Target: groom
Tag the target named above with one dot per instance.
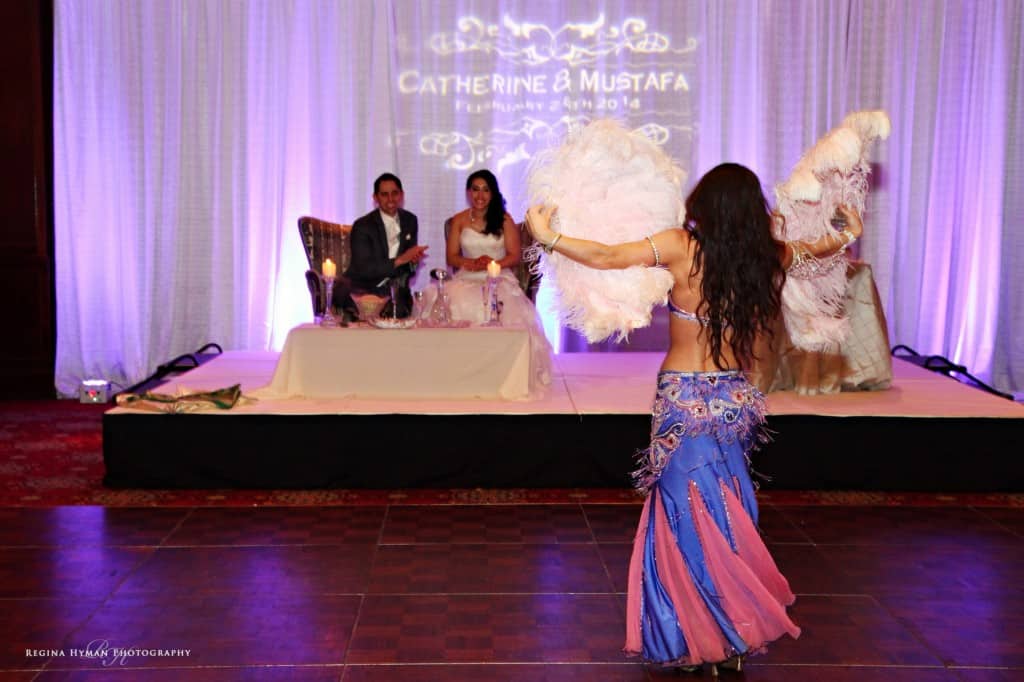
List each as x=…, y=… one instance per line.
x=384, y=246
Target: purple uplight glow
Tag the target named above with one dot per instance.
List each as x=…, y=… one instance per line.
x=188, y=140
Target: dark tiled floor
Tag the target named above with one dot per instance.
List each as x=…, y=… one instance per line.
x=67, y=572
x=303, y=569
x=510, y=593
x=235, y=526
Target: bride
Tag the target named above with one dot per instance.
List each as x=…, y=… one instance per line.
x=482, y=233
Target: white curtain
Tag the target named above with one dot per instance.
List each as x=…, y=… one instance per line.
x=189, y=137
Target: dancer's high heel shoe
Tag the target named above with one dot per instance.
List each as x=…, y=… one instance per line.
x=735, y=663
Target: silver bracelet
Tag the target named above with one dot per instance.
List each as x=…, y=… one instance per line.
x=657, y=256
x=548, y=248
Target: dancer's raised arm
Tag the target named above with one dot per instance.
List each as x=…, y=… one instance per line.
x=663, y=248
x=828, y=244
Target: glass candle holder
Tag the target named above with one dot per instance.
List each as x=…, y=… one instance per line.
x=492, y=308
x=328, y=319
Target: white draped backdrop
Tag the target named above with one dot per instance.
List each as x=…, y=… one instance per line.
x=190, y=135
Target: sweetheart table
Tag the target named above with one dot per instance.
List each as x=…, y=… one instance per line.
x=403, y=364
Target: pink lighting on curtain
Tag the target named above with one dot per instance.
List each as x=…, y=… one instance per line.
x=189, y=137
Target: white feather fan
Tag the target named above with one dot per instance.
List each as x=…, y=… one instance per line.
x=611, y=185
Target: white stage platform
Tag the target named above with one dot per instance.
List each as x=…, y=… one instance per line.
x=927, y=433
x=604, y=383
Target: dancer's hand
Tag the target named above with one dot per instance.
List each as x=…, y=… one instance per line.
x=538, y=220
x=853, y=221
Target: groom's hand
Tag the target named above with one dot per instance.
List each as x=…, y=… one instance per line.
x=414, y=254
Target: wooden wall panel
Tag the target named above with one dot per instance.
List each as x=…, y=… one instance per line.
x=26, y=223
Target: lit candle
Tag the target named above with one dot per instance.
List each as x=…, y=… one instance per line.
x=329, y=269
x=493, y=269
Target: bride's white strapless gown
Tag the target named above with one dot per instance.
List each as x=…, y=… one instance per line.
x=466, y=293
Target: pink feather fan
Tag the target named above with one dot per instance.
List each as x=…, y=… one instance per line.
x=611, y=185
x=834, y=171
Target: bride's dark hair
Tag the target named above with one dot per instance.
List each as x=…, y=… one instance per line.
x=495, y=209
x=737, y=258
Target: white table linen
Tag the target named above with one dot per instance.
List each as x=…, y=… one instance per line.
x=437, y=363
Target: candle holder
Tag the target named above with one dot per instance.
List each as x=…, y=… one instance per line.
x=328, y=319
x=393, y=296
x=492, y=308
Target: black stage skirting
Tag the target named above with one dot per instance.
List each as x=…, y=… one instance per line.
x=391, y=451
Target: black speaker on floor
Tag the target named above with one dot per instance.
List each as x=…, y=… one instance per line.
x=943, y=365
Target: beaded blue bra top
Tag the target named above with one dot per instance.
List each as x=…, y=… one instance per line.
x=686, y=314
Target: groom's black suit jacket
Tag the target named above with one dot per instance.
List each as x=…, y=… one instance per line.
x=370, y=263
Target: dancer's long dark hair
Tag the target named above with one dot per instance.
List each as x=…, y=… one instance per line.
x=739, y=262
x=495, y=209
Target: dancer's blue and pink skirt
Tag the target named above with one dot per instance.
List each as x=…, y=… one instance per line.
x=702, y=585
